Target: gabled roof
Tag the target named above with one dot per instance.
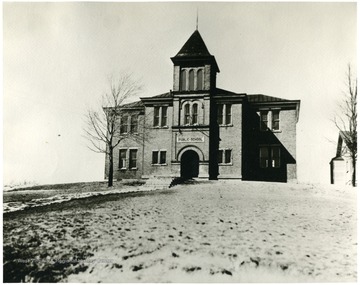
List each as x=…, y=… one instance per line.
x=343, y=138
x=344, y=134
x=340, y=149
x=195, y=46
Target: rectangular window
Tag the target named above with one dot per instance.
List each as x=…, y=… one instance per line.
x=265, y=161
x=156, y=116
x=220, y=156
x=123, y=125
x=159, y=157
x=132, y=158
x=155, y=156
x=122, y=159
x=224, y=156
x=163, y=116
x=162, y=157
x=275, y=153
x=264, y=157
x=220, y=114
x=228, y=114
x=228, y=156
x=134, y=124
x=276, y=120
x=224, y=114
x=263, y=120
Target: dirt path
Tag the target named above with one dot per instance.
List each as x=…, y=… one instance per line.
x=211, y=232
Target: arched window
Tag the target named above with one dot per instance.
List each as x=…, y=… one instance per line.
x=200, y=79
x=187, y=114
x=194, y=114
x=183, y=80
x=191, y=80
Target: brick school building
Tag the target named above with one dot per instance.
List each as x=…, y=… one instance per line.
x=199, y=130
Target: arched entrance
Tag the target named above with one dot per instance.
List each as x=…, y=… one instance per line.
x=189, y=164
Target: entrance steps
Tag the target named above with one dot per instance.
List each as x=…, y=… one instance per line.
x=156, y=183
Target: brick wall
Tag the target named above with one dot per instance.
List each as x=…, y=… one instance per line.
x=128, y=141
x=231, y=138
x=157, y=138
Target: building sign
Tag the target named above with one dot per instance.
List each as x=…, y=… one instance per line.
x=190, y=139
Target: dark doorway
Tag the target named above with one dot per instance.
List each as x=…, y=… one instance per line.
x=189, y=164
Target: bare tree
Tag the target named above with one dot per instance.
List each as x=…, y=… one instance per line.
x=346, y=120
x=102, y=128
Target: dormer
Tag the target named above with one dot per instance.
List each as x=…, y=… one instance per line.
x=194, y=67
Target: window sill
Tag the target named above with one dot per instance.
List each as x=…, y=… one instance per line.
x=158, y=127
x=190, y=125
x=122, y=169
x=129, y=133
x=226, y=164
x=133, y=168
x=269, y=167
x=273, y=131
x=229, y=125
x=159, y=164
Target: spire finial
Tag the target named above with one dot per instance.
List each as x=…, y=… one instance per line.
x=197, y=18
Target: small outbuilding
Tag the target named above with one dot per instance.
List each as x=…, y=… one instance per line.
x=341, y=166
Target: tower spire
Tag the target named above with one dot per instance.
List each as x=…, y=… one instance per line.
x=197, y=18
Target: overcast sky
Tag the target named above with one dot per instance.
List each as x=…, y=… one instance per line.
x=58, y=57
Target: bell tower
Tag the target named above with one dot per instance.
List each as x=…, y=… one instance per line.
x=194, y=87
x=195, y=68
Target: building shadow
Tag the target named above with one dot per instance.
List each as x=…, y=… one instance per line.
x=266, y=168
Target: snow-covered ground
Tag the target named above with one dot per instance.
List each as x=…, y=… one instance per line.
x=214, y=231
x=17, y=200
